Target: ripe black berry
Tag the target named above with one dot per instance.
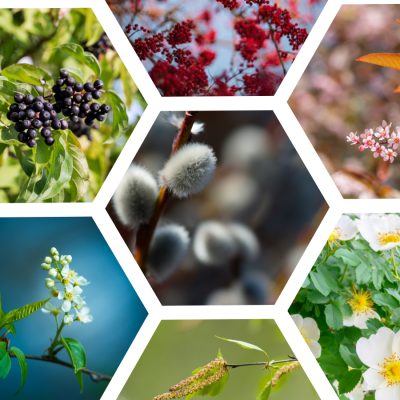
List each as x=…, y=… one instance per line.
x=66, y=112
x=53, y=114
x=70, y=81
x=87, y=97
x=22, y=137
x=39, y=98
x=95, y=107
x=30, y=114
x=64, y=124
x=38, y=106
x=74, y=118
x=48, y=106
x=91, y=115
x=82, y=115
x=78, y=87
x=13, y=107
x=46, y=123
x=105, y=108
x=8, y=115
x=19, y=127
x=88, y=86
x=31, y=133
x=59, y=103
x=37, y=123
x=45, y=132
x=68, y=102
x=26, y=123
x=60, y=81
x=49, y=140
x=100, y=117
x=84, y=107
x=89, y=122
x=98, y=84
x=21, y=107
x=21, y=115
x=77, y=98
x=75, y=109
x=44, y=115
x=69, y=91
x=28, y=99
x=19, y=97
x=56, y=124
x=31, y=143
x=56, y=108
x=56, y=88
x=64, y=73
x=96, y=94
x=14, y=117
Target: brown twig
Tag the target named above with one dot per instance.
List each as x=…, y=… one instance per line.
x=146, y=231
x=95, y=376
x=277, y=48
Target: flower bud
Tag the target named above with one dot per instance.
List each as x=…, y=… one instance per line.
x=45, y=266
x=69, y=259
x=52, y=273
x=135, y=196
x=213, y=243
x=49, y=283
x=56, y=258
x=189, y=170
x=64, y=263
x=167, y=250
x=247, y=242
x=53, y=251
x=59, y=277
x=68, y=319
x=54, y=292
x=47, y=260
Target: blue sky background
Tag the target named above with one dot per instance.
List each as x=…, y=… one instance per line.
x=117, y=311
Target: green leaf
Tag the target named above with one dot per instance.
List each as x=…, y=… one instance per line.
x=363, y=273
x=377, y=278
x=27, y=165
x=84, y=57
x=5, y=362
x=264, y=395
x=329, y=279
x=76, y=73
x=42, y=155
x=9, y=135
x=23, y=312
x=306, y=282
x=316, y=297
x=374, y=324
x=77, y=356
x=32, y=188
x=334, y=317
x=385, y=299
x=348, y=257
x=11, y=88
x=28, y=73
x=346, y=310
x=395, y=318
x=244, y=345
x=332, y=364
x=349, y=357
x=23, y=365
x=320, y=283
x=394, y=292
x=349, y=381
x=79, y=378
x=120, y=117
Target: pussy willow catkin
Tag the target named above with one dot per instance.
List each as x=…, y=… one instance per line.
x=284, y=370
x=190, y=385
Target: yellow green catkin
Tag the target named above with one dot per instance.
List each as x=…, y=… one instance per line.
x=284, y=370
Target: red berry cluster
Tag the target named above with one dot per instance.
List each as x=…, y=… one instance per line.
x=252, y=38
x=180, y=33
x=231, y=4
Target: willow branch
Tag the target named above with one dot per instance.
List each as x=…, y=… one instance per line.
x=95, y=376
x=262, y=363
x=146, y=231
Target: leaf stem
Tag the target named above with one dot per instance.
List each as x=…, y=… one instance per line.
x=96, y=376
x=55, y=341
x=262, y=363
x=344, y=273
x=146, y=231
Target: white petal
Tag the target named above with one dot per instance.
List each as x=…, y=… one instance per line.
x=69, y=287
x=78, y=300
x=298, y=320
x=315, y=348
x=76, y=290
x=388, y=393
x=85, y=310
x=347, y=228
x=45, y=311
x=374, y=350
x=66, y=306
x=396, y=343
x=310, y=329
x=86, y=318
x=349, y=321
x=360, y=320
x=65, y=270
x=61, y=295
x=373, y=378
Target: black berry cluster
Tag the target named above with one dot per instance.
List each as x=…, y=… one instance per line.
x=31, y=114
x=80, y=129
x=74, y=99
x=101, y=46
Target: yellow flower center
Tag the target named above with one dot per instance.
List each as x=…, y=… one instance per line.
x=65, y=281
x=391, y=371
x=69, y=296
x=55, y=312
x=335, y=236
x=390, y=237
x=361, y=302
x=304, y=336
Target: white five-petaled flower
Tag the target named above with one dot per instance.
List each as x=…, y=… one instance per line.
x=345, y=229
x=382, y=233
x=70, y=276
x=51, y=309
x=70, y=295
x=380, y=352
x=83, y=316
x=310, y=332
x=382, y=132
x=68, y=319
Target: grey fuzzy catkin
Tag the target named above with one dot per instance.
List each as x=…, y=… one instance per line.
x=167, y=250
x=135, y=196
x=247, y=241
x=189, y=170
x=213, y=243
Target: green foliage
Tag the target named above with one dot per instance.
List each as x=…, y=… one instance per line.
x=23, y=365
x=5, y=362
x=245, y=345
x=264, y=395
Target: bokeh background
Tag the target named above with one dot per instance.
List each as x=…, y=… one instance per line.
x=179, y=347
x=338, y=95
x=117, y=311
x=261, y=182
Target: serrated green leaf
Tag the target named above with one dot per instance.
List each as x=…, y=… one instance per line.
x=244, y=345
x=264, y=395
x=5, y=362
x=349, y=381
x=12, y=88
x=314, y=296
x=374, y=324
x=394, y=292
x=346, y=310
x=334, y=317
x=349, y=357
x=377, y=278
x=332, y=364
x=329, y=279
x=319, y=282
x=395, y=318
x=23, y=365
x=385, y=299
x=348, y=257
x=23, y=312
x=119, y=115
x=306, y=282
x=84, y=57
x=363, y=273
x=28, y=73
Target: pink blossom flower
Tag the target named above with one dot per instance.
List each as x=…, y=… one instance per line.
x=395, y=139
x=390, y=154
x=379, y=150
x=382, y=132
x=369, y=142
x=361, y=148
x=368, y=133
x=353, y=138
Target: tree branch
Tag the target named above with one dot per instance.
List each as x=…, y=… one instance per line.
x=262, y=363
x=277, y=48
x=95, y=376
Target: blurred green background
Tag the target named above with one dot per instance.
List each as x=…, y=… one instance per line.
x=179, y=347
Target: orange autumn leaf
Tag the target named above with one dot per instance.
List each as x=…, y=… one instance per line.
x=397, y=90
x=390, y=60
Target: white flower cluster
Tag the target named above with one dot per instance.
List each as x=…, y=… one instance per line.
x=71, y=291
